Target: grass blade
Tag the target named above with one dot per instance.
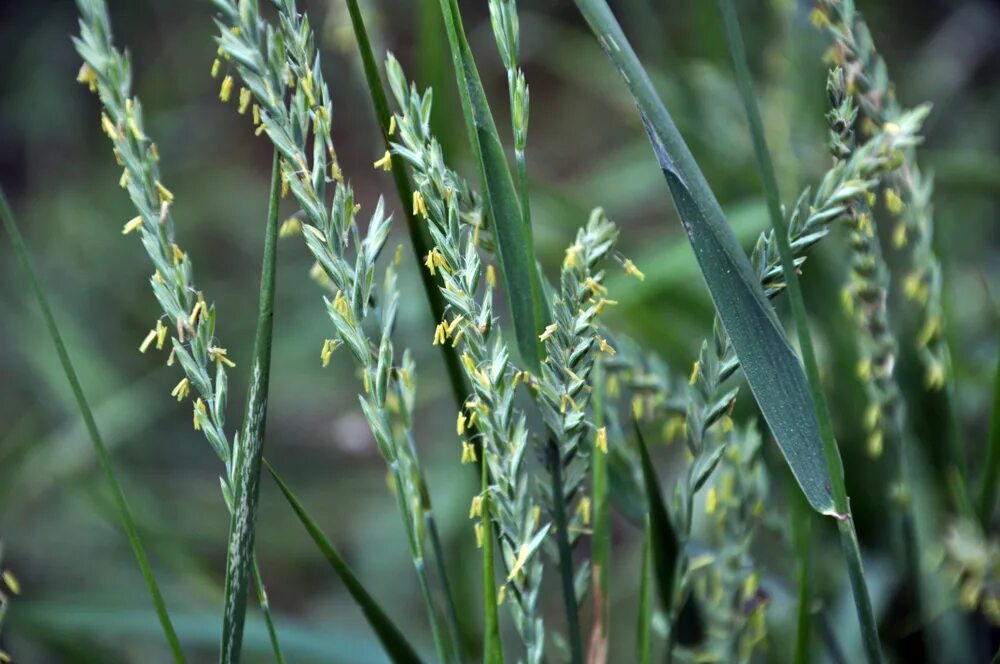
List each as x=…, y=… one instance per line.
x=419, y=237
x=831, y=453
x=769, y=363
x=492, y=644
x=395, y=644
x=522, y=283
x=249, y=447
x=991, y=475
x=118, y=495
x=801, y=536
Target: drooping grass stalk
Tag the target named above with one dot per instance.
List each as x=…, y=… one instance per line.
x=418, y=232
x=834, y=464
x=118, y=495
x=522, y=282
x=446, y=203
x=908, y=198
x=248, y=449
x=391, y=638
x=345, y=259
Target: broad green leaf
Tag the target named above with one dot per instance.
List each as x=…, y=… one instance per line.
x=770, y=365
x=395, y=644
x=240, y=558
x=522, y=282
x=117, y=494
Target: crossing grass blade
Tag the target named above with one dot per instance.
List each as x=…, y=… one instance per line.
x=250, y=445
x=391, y=638
x=770, y=365
x=118, y=495
x=522, y=282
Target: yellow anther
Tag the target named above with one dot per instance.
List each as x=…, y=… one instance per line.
x=818, y=18
x=865, y=224
x=935, y=376
x=326, y=353
x=572, y=252
x=133, y=224
x=216, y=65
x=632, y=270
x=605, y=346
x=875, y=444
x=601, y=440
x=501, y=594
x=255, y=113
x=220, y=355
x=873, y=414
x=476, y=508
x=11, y=581
x=109, y=127
x=599, y=308
x=595, y=287
x=930, y=330
x=244, y=101
x=161, y=334
x=199, y=412
x=478, y=528
x=166, y=196
x=181, y=390
x=468, y=452
x=864, y=369
x=392, y=125
x=226, y=90
x=460, y=423
x=893, y=202
x=695, y=372
x=548, y=332
x=290, y=227
x=891, y=128
x=148, y=341
x=491, y=276
x=899, y=235
x=583, y=509
x=419, y=206
x=87, y=76
x=440, y=334
x=385, y=163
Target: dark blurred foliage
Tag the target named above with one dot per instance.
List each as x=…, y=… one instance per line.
x=83, y=599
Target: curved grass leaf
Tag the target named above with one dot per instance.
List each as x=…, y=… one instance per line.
x=689, y=628
x=522, y=282
x=249, y=446
x=770, y=365
x=118, y=495
x=395, y=644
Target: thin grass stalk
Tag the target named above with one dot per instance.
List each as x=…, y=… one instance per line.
x=390, y=636
x=831, y=452
x=117, y=494
x=801, y=543
x=600, y=542
x=492, y=643
x=248, y=448
x=419, y=237
x=265, y=609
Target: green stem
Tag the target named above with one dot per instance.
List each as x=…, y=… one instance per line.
x=600, y=543
x=644, y=637
x=565, y=554
x=849, y=540
x=118, y=495
x=801, y=536
x=247, y=455
x=265, y=609
x=492, y=645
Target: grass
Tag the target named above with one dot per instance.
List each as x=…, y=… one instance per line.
x=596, y=475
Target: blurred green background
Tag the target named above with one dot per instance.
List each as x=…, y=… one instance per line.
x=83, y=598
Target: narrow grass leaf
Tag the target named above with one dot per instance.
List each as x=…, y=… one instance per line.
x=391, y=638
x=118, y=495
x=644, y=624
x=770, y=365
x=522, y=282
x=249, y=445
